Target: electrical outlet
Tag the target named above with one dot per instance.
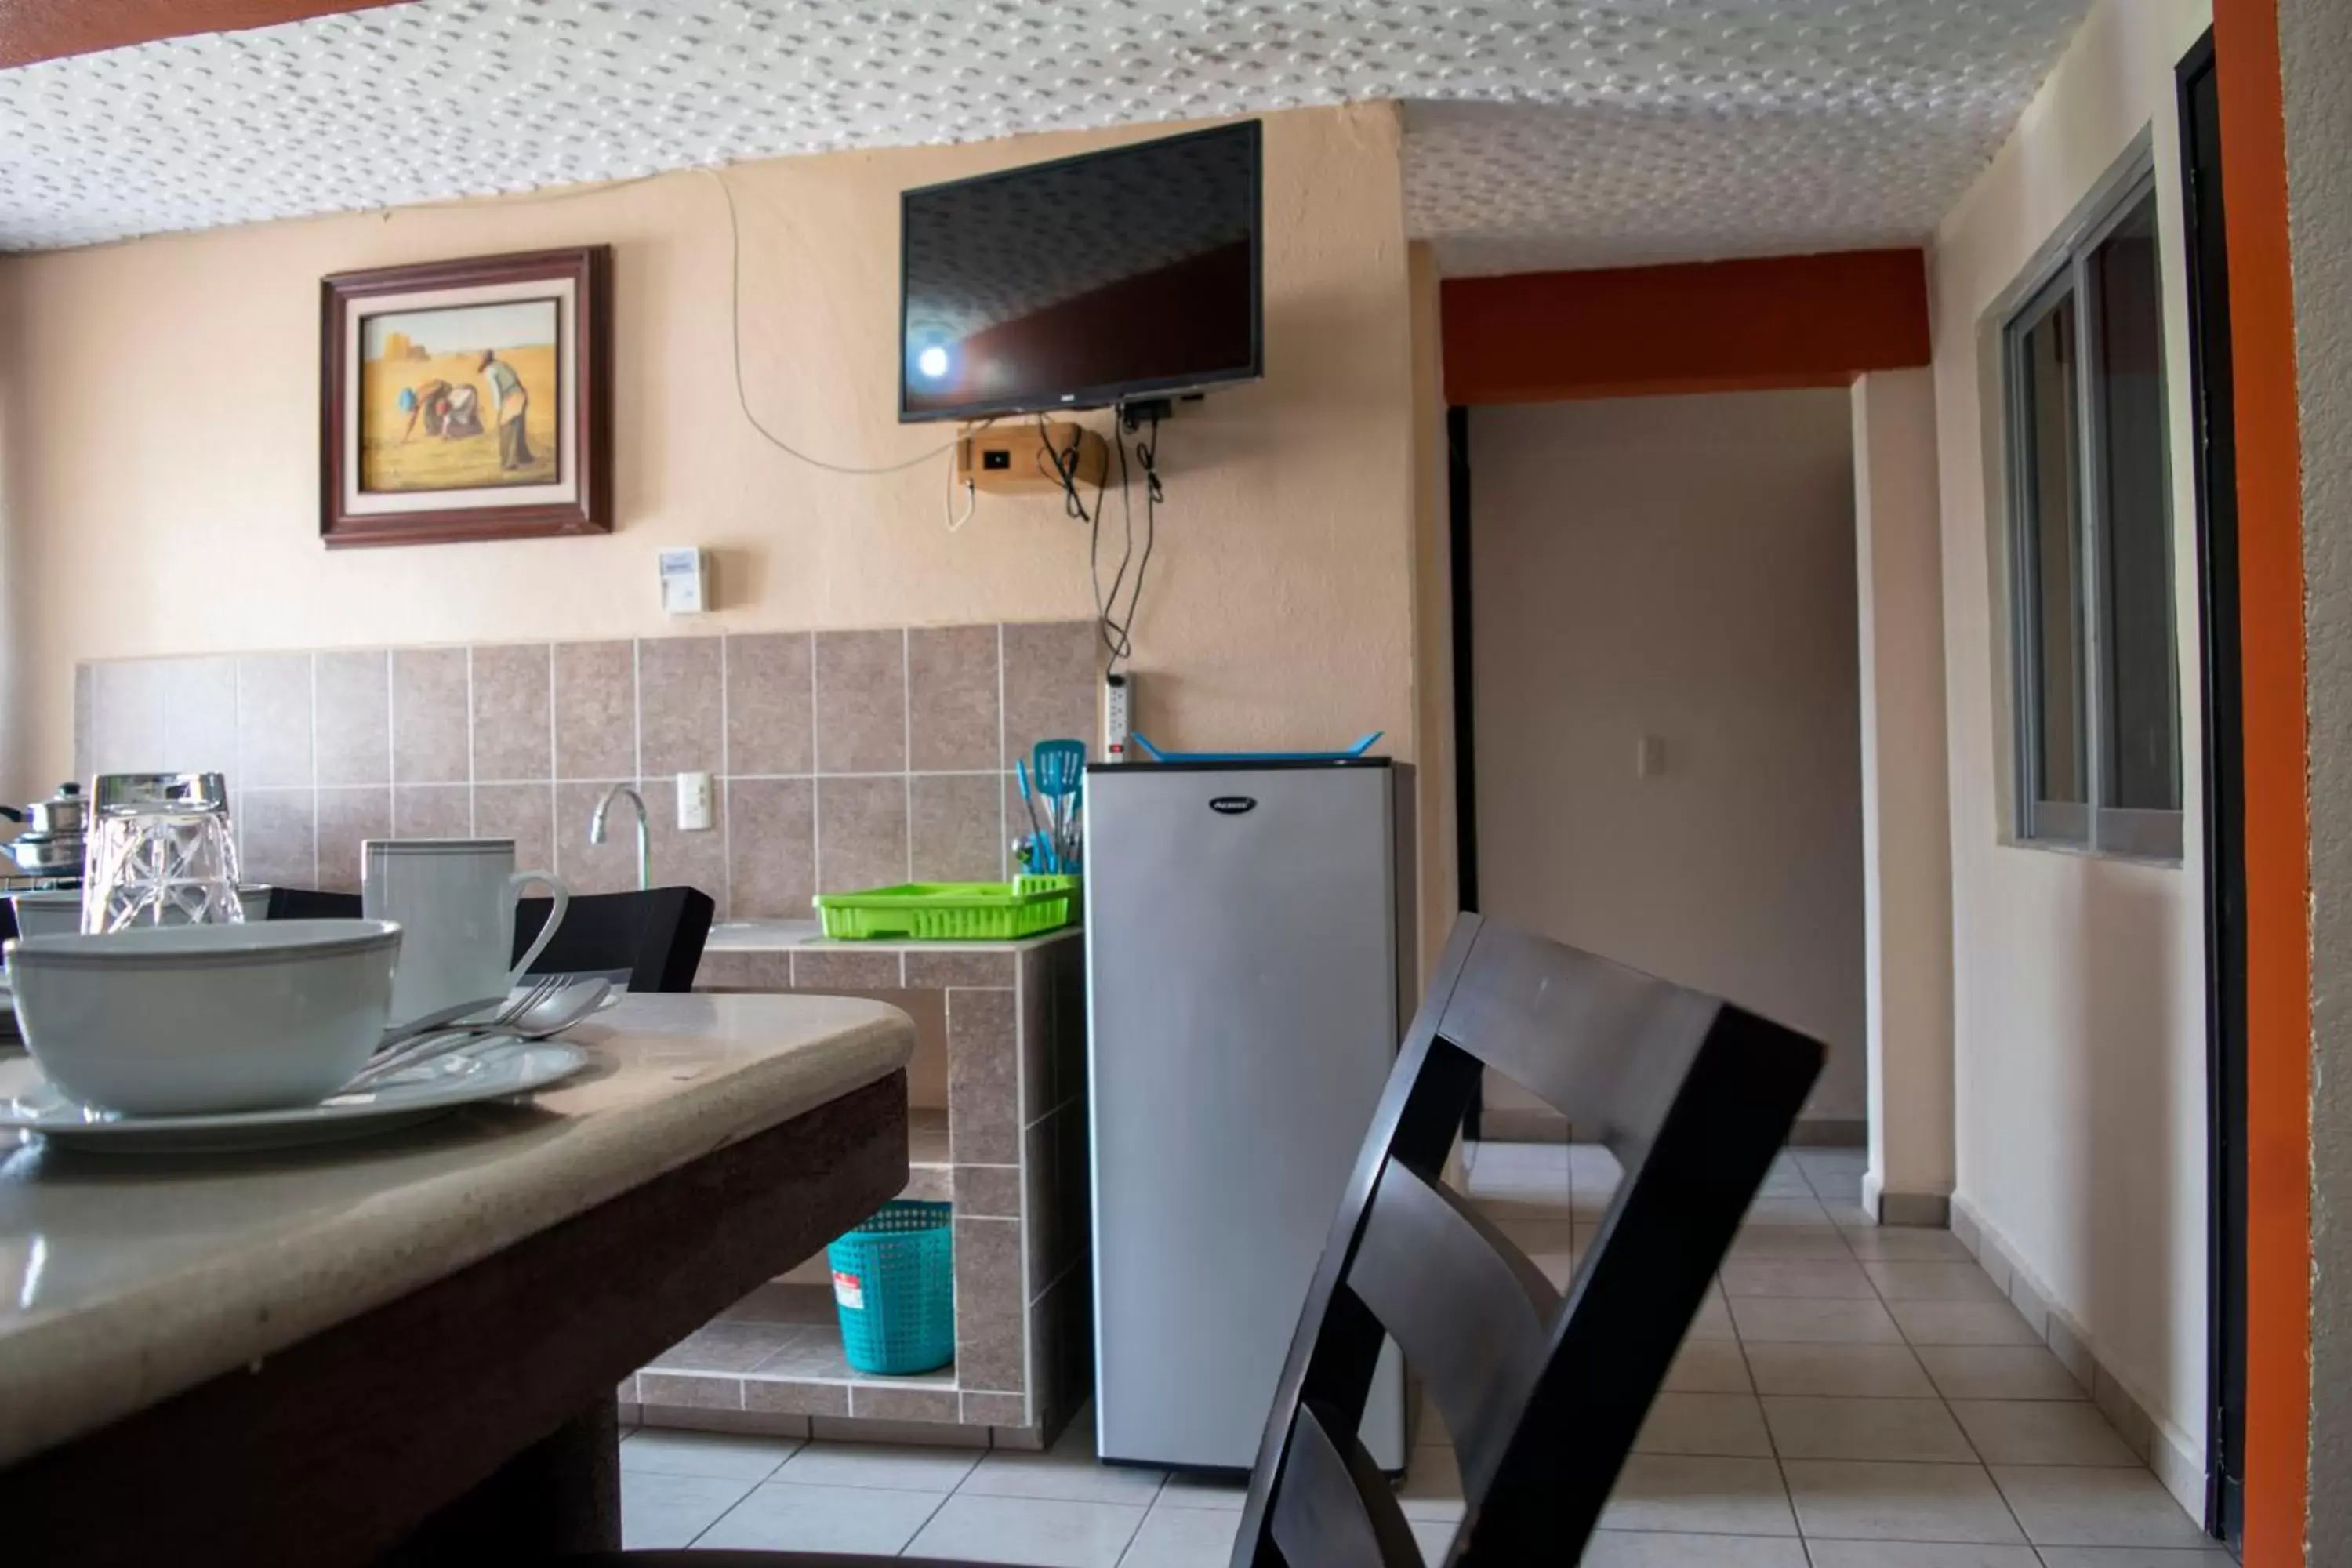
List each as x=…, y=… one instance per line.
x=694, y=803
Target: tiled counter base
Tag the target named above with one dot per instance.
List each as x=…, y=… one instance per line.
x=1010, y=1152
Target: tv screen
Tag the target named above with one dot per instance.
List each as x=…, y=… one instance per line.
x=1082, y=282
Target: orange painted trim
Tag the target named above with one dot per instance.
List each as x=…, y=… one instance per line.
x=49, y=29
x=2278, y=805
x=1718, y=326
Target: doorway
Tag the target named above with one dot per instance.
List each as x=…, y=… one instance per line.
x=2214, y=393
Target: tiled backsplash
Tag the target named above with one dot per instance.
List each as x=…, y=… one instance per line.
x=845, y=759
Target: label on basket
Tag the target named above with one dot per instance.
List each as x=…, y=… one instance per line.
x=849, y=1290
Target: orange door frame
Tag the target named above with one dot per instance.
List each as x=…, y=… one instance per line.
x=2278, y=813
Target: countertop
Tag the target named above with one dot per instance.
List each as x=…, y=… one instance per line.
x=125, y=1279
x=782, y=936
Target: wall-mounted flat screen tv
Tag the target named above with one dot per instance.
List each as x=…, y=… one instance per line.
x=1084, y=282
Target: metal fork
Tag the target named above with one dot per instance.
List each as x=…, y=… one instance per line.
x=425, y=1046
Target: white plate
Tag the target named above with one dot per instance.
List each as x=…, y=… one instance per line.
x=495, y=1069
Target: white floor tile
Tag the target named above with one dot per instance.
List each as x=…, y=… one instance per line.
x=1908, y=1243
x=1729, y=1425
x=1820, y=1242
x=1912, y=1280
x=1826, y=1277
x=1708, y=1367
x=1037, y=1532
x=2068, y=1506
x=2135, y=1557
x=1868, y=1500
x=1794, y=1320
x=879, y=1465
x=1201, y=1491
x=1918, y=1555
x=1963, y=1323
x=1998, y=1372
x=1433, y=1536
x=1639, y=1549
x=1070, y=1477
x=781, y=1517
x=2041, y=1432
x=1184, y=1538
x=659, y=1510
x=1432, y=1488
x=1806, y=1427
x=1873, y=1372
x=674, y=1453
x=1807, y=1210
x=1713, y=1319
x=1700, y=1496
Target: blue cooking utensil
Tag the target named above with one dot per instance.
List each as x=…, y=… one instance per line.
x=1041, y=845
x=1061, y=767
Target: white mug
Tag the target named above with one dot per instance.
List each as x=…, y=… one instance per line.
x=455, y=899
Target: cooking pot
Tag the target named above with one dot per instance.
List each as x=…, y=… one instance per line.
x=64, y=815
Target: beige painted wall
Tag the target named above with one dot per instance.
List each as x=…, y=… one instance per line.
x=158, y=449
x=2079, y=1020
x=1682, y=568
x=2315, y=43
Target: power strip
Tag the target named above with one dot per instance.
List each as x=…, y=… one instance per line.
x=1117, y=692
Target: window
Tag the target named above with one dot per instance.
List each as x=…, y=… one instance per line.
x=2098, y=688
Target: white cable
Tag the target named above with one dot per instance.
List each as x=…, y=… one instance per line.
x=971, y=498
x=735, y=343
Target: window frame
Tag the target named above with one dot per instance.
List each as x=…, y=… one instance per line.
x=2065, y=272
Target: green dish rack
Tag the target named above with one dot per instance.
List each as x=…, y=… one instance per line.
x=951, y=911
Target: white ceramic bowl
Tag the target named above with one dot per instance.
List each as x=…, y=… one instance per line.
x=185, y=1020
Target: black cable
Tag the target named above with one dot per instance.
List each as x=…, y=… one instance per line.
x=1116, y=641
x=1065, y=468
x=1118, y=631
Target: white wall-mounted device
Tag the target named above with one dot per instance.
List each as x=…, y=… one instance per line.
x=685, y=582
x=1118, y=692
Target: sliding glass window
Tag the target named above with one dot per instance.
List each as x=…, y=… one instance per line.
x=2090, y=589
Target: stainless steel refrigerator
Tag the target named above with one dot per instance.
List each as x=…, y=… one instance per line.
x=1248, y=948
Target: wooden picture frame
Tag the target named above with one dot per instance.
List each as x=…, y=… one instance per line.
x=422, y=441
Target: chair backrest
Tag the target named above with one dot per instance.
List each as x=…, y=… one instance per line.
x=311, y=904
x=655, y=935
x=1543, y=1396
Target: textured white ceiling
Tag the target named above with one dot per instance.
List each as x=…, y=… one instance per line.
x=1539, y=134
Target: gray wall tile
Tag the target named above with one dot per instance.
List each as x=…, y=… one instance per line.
x=983, y=1100
x=678, y=706
x=523, y=814
x=354, y=707
x=85, y=702
x=861, y=833
x=937, y=970
x=277, y=838
x=511, y=737
x=770, y=713
x=200, y=716
x=348, y=818
x=697, y=860
x=990, y=1320
x=428, y=716
x=990, y=1189
x=861, y=702
x=432, y=811
x=595, y=710
x=956, y=827
x=273, y=719
x=129, y=700
x=1050, y=670
x=827, y=969
x=772, y=848
x=951, y=699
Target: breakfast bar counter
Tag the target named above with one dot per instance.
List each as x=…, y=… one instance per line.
x=318, y=1354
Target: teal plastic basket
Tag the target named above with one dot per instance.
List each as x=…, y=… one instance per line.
x=894, y=1286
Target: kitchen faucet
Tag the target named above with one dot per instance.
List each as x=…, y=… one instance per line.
x=645, y=830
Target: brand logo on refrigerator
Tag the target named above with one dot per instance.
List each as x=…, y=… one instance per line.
x=1232, y=805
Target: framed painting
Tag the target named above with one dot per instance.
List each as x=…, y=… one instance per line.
x=466, y=399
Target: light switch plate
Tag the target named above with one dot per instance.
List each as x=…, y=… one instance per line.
x=694, y=803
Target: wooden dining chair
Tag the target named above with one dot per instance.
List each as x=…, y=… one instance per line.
x=1542, y=1395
